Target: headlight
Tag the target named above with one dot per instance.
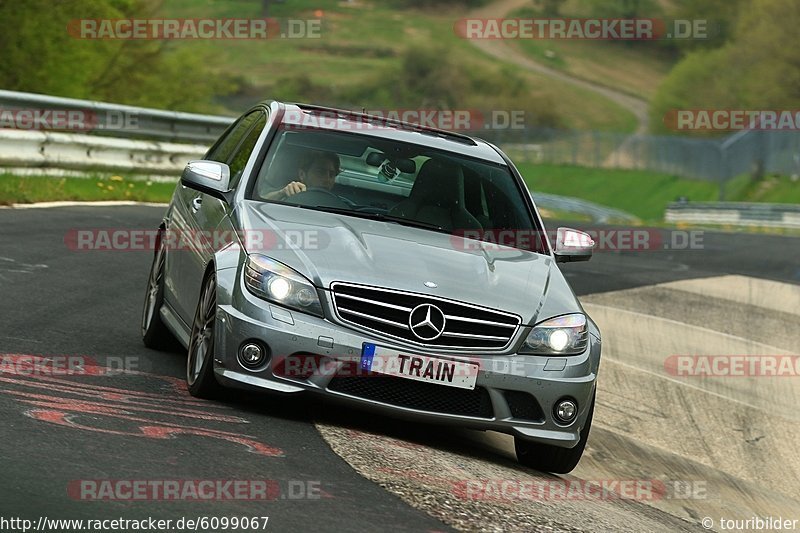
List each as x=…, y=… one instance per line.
x=564, y=335
x=276, y=282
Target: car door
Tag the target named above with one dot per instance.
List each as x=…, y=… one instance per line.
x=186, y=220
x=208, y=216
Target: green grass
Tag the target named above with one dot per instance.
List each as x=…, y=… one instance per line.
x=778, y=189
x=646, y=194
x=29, y=189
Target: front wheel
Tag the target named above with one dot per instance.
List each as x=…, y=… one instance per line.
x=549, y=458
x=200, y=361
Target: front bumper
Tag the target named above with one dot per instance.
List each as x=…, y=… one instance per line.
x=514, y=394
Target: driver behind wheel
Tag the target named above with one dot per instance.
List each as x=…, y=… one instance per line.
x=316, y=170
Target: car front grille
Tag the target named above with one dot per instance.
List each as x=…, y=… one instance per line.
x=411, y=394
x=388, y=312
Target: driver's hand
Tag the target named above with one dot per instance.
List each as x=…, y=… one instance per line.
x=294, y=188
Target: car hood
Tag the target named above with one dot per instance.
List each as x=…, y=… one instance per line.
x=327, y=247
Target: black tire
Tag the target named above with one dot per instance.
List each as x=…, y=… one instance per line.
x=155, y=333
x=555, y=459
x=200, y=378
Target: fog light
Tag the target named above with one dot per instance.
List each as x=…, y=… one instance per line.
x=251, y=355
x=565, y=411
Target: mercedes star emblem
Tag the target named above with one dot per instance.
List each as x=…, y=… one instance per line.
x=426, y=322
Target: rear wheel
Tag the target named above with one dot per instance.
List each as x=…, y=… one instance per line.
x=155, y=333
x=200, y=361
x=549, y=458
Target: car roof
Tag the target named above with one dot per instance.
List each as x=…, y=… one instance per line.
x=327, y=118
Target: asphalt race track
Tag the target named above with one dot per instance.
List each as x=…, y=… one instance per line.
x=736, y=294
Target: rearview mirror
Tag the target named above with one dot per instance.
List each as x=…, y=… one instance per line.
x=374, y=159
x=406, y=166
x=209, y=177
x=572, y=245
x=403, y=164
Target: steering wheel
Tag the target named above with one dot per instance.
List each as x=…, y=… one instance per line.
x=323, y=197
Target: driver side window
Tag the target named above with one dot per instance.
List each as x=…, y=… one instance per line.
x=222, y=150
x=242, y=154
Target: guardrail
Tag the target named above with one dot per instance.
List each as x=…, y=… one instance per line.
x=735, y=214
x=599, y=213
x=59, y=154
x=711, y=160
x=115, y=120
x=156, y=143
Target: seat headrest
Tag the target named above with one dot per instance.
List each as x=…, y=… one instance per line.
x=439, y=182
x=285, y=166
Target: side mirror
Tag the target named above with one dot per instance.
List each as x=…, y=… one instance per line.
x=209, y=177
x=572, y=245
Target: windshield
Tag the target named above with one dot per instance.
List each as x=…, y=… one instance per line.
x=371, y=177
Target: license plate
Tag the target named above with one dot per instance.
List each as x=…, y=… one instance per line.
x=448, y=372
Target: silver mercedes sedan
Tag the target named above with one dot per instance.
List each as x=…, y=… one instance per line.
x=390, y=266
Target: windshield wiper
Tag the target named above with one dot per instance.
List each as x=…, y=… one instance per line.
x=409, y=222
x=377, y=216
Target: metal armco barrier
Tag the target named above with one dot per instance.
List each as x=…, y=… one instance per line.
x=735, y=214
x=114, y=120
x=158, y=144
x=702, y=159
x=599, y=213
x=22, y=152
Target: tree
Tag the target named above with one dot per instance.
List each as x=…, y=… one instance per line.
x=764, y=54
x=551, y=8
x=758, y=69
x=721, y=17
x=41, y=55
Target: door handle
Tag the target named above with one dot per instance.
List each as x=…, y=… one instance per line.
x=197, y=203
